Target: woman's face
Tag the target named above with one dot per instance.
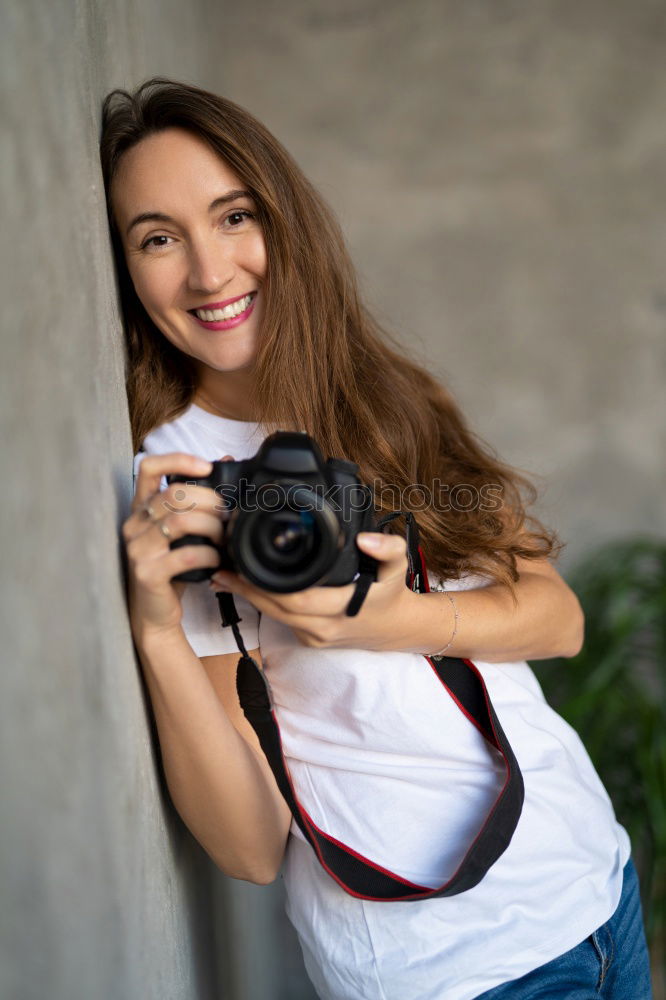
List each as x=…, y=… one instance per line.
x=194, y=249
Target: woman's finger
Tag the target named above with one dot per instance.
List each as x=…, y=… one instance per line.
x=177, y=498
x=298, y=606
x=155, y=535
x=153, y=467
x=390, y=551
x=153, y=571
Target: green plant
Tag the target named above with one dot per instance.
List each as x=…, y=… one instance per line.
x=614, y=695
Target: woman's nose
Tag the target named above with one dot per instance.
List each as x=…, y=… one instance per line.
x=210, y=267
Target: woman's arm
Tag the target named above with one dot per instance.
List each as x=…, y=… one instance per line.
x=545, y=620
x=218, y=778
x=217, y=775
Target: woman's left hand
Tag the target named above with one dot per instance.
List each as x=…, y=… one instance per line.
x=317, y=615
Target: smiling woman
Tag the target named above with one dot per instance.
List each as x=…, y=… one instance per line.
x=190, y=235
x=242, y=316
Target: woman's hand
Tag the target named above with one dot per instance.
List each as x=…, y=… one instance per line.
x=317, y=615
x=157, y=518
x=484, y=624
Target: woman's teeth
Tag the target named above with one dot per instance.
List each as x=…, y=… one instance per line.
x=234, y=309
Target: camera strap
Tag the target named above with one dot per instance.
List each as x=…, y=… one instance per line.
x=357, y=875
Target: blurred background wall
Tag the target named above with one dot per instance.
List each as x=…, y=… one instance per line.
x=498, y=170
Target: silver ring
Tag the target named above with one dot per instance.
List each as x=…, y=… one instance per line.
x=149, y=512
x=164, y=528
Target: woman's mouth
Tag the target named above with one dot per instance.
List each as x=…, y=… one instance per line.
x=223, y=319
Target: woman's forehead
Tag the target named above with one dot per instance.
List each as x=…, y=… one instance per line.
x=172, y=166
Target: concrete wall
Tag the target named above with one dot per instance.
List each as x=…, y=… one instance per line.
x=498, y=168
x=104, y=893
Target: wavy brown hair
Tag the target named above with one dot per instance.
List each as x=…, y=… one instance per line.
x=324, y=364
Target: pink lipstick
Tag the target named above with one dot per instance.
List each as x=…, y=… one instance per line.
x=224, y=324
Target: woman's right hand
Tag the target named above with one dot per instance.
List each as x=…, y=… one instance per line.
x=181, y=509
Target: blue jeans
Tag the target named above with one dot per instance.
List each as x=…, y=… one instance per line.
x=611, y=964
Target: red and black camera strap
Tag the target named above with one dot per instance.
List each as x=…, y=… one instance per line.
x=357, y=875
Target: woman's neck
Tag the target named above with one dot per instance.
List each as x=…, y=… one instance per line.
x=226, y=394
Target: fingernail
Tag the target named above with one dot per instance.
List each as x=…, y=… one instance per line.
x=203, y=464
x=370, y=541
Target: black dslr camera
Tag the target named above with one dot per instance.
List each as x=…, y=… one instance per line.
x=293, y=518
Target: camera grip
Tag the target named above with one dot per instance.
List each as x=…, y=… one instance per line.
x=192, y=575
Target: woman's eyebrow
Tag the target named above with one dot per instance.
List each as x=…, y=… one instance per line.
x=161, y=217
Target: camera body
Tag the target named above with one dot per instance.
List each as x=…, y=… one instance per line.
x=293, y=517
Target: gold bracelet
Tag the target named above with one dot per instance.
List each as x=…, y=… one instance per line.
x=455, y=623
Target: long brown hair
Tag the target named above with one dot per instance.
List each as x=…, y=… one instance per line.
x=324, y=365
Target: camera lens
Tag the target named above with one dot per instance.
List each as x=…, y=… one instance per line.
x=286, y=540
x=291, y=547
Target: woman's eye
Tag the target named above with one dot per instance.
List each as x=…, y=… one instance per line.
x=155, y=242
x=238, y=217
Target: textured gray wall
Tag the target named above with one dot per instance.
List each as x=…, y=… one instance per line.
x=105, y=895
x=498, y=169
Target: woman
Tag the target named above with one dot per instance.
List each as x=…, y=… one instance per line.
x=243, y=317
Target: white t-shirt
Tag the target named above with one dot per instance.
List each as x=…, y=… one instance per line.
x=383, y=760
